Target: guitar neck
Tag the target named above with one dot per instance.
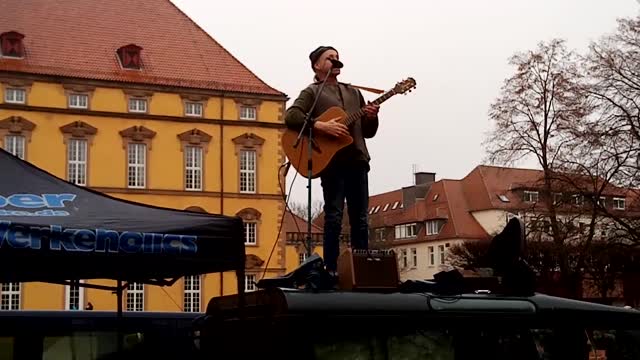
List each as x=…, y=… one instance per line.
x=358, y=114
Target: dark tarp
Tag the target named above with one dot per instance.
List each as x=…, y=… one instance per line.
x=51, y=231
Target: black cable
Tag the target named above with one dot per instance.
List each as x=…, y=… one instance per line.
x=286, y=208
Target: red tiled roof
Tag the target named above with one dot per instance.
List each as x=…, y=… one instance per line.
x=79, y=39
x=295, y=224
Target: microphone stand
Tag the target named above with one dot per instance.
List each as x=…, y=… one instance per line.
x=308, y=127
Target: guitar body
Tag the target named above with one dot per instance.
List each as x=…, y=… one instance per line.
x=324, y=146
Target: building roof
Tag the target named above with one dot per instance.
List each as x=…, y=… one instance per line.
x=80, y=38
x=295, y=224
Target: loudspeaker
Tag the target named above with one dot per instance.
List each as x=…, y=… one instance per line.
x=368, y=270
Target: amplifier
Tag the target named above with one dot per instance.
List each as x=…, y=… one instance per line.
x=368, y=270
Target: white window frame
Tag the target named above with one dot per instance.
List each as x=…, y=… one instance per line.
x=194, y=109
x=406, y=231
x=193, y=161
x=138, y=105
x=302, y=257
x=77, y=153
x=67, y=296
x=432, y=255
x=15, y=145
x=136, y=170
x=432, y=227
x=135, y=297
x=11, y=296
x=250, y=282
x=441, y=254
x=531, y=196
x=11, y=96
x=404, y=261
x=248, y=171
x=250, y=233
x=414, y=257
x=557, y=198
x=78, y=101
x=616, y=203
x=395, y=205
x=248, y=113
x=192, y=293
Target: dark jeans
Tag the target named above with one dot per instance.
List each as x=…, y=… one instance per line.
x=340, y=182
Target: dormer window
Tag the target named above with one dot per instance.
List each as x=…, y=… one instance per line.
x=11, y=44
x=129, y=56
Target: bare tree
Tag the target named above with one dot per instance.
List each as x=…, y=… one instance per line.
x=300, y=209
x=613, y=65
x=535, y=115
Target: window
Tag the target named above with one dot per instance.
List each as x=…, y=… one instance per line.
x=602, y=201
x=193, y=167
x=441, y=254
x=193, y=109
x=618, y=203
x=578, y=200
x=414, y=257
x=250, y=282
x=135, y=297
x=129, y=56
x=194, y=145
x=10, y=296
x=302, y=257
x=77, y=161
x=137, y=143
x=503, y=198
x=395, y=205
x=248, y=113
x=406, y=231
x=191, y=293
x=15, y=133
x=137, y=105
x=78, y=101
x=251, y=218
x=248, y=171
x=433, y=227
x=386, y=206
x=77, y=137
x=136, y=174
x=380, y=234
x=376, y=209
x=74, y=297
x=404, y=262
x=11, y=44
x=432, y=255
x=557, y=198
x=15, y=144
x=531, y=196
x=435, y=197
x=15, y=96
x=248, y=149
x=250, y=233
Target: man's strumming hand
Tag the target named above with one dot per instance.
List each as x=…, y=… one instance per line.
x=332, y=127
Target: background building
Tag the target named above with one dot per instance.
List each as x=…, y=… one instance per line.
x=135, y=100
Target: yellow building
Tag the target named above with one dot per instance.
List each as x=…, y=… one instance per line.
x=133, y=99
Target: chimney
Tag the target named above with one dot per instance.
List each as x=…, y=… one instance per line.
x=423, y=181
x=422, y=178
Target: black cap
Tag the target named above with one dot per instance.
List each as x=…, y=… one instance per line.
x=315, y=54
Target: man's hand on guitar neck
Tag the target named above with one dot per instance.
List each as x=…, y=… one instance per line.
x=332, y=127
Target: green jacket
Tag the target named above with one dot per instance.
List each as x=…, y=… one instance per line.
x=350, y=100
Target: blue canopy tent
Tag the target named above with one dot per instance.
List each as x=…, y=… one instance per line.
x=54, y=231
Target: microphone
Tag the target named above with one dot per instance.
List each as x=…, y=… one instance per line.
x=336, y=63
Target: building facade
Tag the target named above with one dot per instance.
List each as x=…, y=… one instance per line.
x=164, y=116
x=423, y=221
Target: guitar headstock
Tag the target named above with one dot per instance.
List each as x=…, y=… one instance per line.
x=405, y=86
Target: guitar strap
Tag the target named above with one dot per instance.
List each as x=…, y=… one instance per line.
x=375, y=91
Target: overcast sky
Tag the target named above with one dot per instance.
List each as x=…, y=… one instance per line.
x=456, y=50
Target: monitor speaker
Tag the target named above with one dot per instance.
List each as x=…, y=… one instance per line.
x=368, y=270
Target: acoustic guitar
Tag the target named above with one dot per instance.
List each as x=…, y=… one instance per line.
x=325, y=146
